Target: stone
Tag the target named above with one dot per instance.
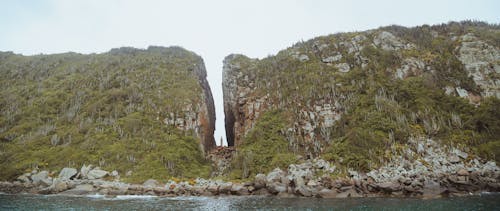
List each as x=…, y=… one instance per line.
x=150, y=183
x=477, y=57
x=114, y=173
x=251, y=188
x=388, y=41
x=225, y=188
x=312, y=183
x=96, y=174
x=388, y=187
x=453, y=159
x=448, y=90
x=67, y=173
x=274, y=176
x=416, y=183
x=332, y=59
x=23, y=178
x=83, y=189
x=39, y=177
x=462, y=92
x=410, y=67
x=460, y=154
x=351, y=193
x=462, y=172
x=84, y=171
x=343, y=67
x=240, y=190
x=213, y=188
x=124, y=190
x=276, y=188
x=327, y=193
x=303, y=190
x=59, y=185
x=260, y=181
x=128, y=174
x=303, y=58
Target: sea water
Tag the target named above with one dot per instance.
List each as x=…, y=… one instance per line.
x=99, y=202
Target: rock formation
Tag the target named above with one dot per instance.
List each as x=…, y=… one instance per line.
x=128, y=109
x=350, y=97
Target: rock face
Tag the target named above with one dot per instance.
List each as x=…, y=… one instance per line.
x=481, y=61
x=388, y=41
x=350, y=97
x=107, y=102
x=199, y=118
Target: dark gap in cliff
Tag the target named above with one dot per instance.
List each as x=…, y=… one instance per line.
x=229, y=124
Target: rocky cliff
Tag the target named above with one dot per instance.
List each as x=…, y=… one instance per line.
x=147, y=112
x=353, y=98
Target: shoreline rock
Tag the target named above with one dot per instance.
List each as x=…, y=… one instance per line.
x=437, y=172
x=299, y=180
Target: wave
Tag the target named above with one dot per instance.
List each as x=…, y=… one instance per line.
x=125, y=197
x=96, y=196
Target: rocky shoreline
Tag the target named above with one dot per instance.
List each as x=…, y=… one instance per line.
x=277, y=183
x=297, y=181
x=427, y=170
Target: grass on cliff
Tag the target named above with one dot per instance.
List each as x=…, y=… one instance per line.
x=379, y=110
x=66, y=110
x=264, y=148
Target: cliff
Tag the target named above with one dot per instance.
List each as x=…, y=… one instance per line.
x=360, y=99
x=148, y=113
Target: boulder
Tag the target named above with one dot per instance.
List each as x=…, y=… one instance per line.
x=312, y=183
x=59, y=185
x=41, y=178
x=67, y=173
x=260, y=181
x=454, y=159
x=150, y=183
x=461, y=154
x=416, y=183
x=388, y=41
x=96, y=174
x=274, y=176
x=213, y=189
x=327, y=193
x=303, y=190
x=276, y=188
x=84, y=171
x=240, y=190
x=462, y=172
x=388, y=187
x=303, y=58
x=84, y=189
x=24, y=179
x=348, y=193
x=225, y=188
x=123, y=191
x=114, y=173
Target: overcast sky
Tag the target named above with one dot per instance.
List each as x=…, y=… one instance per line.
x=212, y=29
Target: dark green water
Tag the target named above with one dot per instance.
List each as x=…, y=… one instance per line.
x=38, y=202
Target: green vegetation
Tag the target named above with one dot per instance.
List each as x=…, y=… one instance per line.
x=264, y=148
x=379, y=111
x=107, y=109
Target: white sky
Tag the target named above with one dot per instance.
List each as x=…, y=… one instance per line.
x=212, y=29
